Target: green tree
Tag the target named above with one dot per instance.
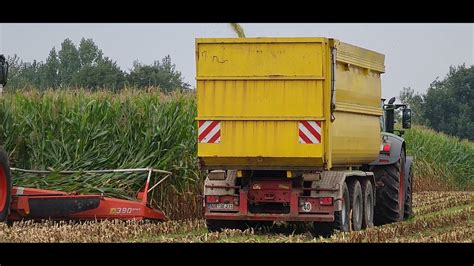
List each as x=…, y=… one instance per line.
x=14, y=72
x=415, y=103
x=25, y=74
x=69, y=62
x=449, y=103
x=52, y=65
x=105, y=73
x=89, y=52
x=162, y=74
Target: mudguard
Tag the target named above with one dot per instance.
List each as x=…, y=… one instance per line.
x=229, y=180
x=331, y=183
x=408, y=162
x=396, y=145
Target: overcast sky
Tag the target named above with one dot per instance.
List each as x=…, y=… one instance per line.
x=415, y=54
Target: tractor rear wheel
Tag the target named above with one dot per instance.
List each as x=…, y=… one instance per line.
x=389, y=207
x=5, y=186
x=409, y=195
x=341, y=218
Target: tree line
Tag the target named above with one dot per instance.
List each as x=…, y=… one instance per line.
x=448, y=104
x=85, y=66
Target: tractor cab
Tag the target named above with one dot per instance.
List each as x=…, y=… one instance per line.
x=387, y=120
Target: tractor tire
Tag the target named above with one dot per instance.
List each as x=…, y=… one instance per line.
x=5, y=186
x=409, y=196
x=357, y=205
x=220, y=225
x=341, y=218
x=389, y=207
x=369, y=200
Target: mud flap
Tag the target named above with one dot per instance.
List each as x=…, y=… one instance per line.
x=331, y=184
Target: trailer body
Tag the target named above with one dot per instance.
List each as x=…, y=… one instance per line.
x=287, y=103
x=287, y=128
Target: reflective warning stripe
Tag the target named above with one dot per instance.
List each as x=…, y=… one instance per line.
x=309, y=132
x=209, y=131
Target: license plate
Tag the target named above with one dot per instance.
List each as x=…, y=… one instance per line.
x=221, y=206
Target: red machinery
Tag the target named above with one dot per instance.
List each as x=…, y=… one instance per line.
x=19, y=203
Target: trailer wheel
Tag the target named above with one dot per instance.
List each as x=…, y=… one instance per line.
x=341, y=218
x=389, y=207
x=219, y=225
x=409, y=196
x=368, y=197
x=5, y=186
x=357, y=203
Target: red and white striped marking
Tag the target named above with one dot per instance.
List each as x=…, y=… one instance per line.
x=209, y=131
x=309, y=132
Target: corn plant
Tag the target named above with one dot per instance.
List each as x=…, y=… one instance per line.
x=79, y=130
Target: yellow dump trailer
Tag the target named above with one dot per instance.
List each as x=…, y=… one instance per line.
x=284, y=103
x=290, y=130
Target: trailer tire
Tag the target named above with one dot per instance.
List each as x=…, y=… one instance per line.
x=368, y=197
x=357, y=204
x=219, y=225
x=341, y=218
x=5, y=186
x=388, y=208
x=409, y=196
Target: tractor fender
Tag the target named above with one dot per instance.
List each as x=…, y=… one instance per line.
x=408, y=163
x=396, y=145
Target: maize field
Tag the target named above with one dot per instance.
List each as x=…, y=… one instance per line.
x=81, y=130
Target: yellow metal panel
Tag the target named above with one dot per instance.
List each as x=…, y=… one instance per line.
x=355, y=135
x=260, y=139
x=355, y=86
x=260, y=100
x=361, y=57
x=261, y=162
x=260, y=87
x=355, y=138
x=261, y=59
x=262, y=40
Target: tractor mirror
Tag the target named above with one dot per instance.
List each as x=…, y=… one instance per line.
x=392, y=100
x=406, y=118
x=3, y=71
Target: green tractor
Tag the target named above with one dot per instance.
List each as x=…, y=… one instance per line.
x=392, y=169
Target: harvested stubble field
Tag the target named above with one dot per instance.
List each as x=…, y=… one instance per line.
x=438, y=217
